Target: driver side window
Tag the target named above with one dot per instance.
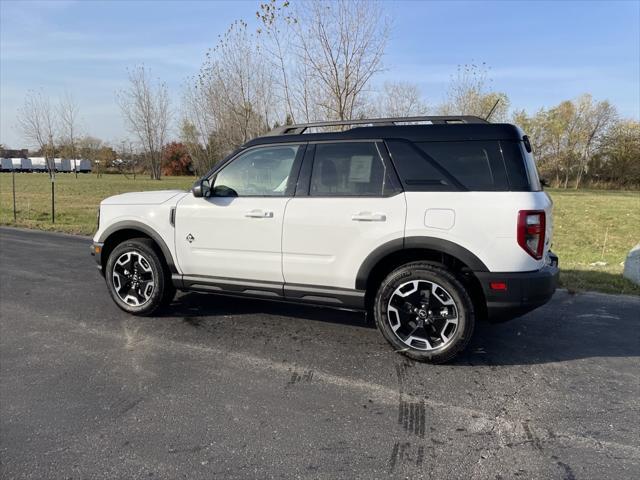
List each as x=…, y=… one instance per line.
x=261, y=172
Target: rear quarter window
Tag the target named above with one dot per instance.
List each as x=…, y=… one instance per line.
x=476, y=165
x=516, y=166
x=534, y=177
x=489, y=165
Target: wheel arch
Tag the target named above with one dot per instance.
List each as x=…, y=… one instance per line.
x=389, y=256
x=128, y=229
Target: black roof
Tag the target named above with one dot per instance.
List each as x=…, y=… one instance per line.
x=416, y=133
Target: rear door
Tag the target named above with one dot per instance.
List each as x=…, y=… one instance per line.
x=348, y=202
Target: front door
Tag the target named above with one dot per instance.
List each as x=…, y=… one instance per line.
x=236, y=231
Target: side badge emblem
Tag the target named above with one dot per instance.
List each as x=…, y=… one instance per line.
x=190, y=238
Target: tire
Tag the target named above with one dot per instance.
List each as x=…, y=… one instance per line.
x=136, y=277
x=424, y=312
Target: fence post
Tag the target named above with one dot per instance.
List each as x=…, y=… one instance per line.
x=53, y=199
x=51, y=164
x=13, y=180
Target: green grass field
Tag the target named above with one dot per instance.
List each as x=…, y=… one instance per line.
x=590, y=225
x=76, y=199
x=593, y=226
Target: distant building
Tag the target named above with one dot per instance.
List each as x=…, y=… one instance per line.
x=6, y=153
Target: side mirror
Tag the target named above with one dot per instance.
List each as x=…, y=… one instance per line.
x=201, y=188
x=544, y=182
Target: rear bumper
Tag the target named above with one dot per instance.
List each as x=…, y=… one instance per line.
x=524, y=291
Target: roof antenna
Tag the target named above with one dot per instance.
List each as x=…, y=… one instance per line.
x=492, y=109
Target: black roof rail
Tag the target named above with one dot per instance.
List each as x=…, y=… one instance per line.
x=437, y=119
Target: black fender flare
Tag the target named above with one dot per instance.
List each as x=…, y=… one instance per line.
x=142, y=228
x=431, y=243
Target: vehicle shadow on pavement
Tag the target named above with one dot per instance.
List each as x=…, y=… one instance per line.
x=571, y=327
x=195, y=307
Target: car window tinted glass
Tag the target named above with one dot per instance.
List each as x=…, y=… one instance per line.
x=347, y=169
x=416, y=173
x=478, y=165
x=515, y=165
x=259, y=172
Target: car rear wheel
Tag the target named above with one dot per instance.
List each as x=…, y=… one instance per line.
x=136, y=277
x=424, y=312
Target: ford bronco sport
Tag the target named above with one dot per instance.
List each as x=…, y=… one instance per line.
x=428, y=226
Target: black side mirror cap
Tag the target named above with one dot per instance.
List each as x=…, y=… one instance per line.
x=544, y=182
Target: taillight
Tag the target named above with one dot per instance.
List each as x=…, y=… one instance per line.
x=531, y=230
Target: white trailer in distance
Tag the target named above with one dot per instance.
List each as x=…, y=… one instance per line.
x=21, y=164
x=6, y=165
x=39, y=164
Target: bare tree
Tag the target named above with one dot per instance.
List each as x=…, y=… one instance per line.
x=37, y=122
x=596, y=122
x=341, y=44
x=400, y=99
x=231, y=100
x=68, y=115
x=145, y=108
x=307, y=62
x=307, y=94
x=198, y=125
x=238, y=87
x=470, y=93
x=276, y=35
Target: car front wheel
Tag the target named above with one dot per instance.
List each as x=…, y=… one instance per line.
x=136, y=277
x=424, y=312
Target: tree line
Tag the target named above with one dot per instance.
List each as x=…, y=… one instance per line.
x=317, y=60
x=584, y=141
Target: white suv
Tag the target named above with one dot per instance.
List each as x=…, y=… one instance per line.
x=427, y=226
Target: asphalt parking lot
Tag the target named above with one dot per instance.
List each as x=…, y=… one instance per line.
x=227, y=388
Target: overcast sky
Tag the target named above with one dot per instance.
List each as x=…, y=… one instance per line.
x=540, y=53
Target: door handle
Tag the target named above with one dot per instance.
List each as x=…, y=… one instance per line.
x=258, y=214
x=368, y=217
